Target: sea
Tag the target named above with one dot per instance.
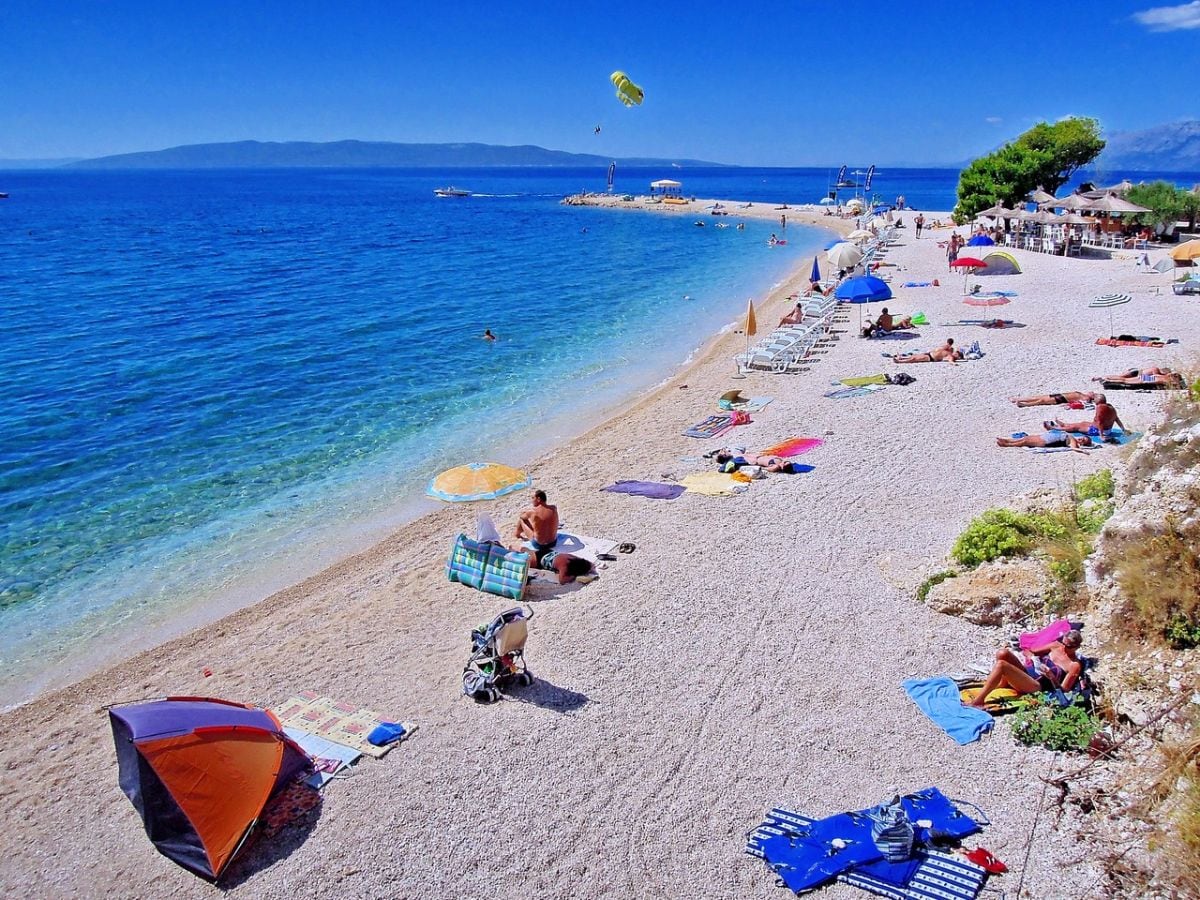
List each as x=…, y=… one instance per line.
x=215, y=383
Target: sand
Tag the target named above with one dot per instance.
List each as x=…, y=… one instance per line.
x=748, y=653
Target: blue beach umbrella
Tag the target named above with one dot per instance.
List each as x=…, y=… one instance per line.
x=981, y=240
x=863, y=289
x=816, y=271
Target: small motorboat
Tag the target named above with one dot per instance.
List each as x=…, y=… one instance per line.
x=3, y=196
x=451, y=192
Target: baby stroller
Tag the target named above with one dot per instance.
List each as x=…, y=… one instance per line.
x=498, y=656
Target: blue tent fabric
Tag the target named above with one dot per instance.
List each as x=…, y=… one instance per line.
x=939, y=699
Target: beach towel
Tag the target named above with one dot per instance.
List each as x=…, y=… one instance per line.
x=916, y=284
x=713, y=483
x=938, y=698
x=864, y=380
x=1140, y=342
x=1116, y=436
x=584, y=546
x=715, y=426
x=999, y=702
x=654, y=490
x=329, y=757
x=792, y=447
x=845, y=393
x=342, y=723
x=804, y=855
x=1141, y=386
x=752, y=404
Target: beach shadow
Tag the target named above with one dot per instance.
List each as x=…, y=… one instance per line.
x=545, y=586
x=897, y=336
x=287, y=822
x=550, y=696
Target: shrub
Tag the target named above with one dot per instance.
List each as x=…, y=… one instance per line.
x=996, y=533
x=1095, y=487
x=1160, y=575
x=1092, y=515
x=1182, y=632
x=935, y=579
x=1055, y=727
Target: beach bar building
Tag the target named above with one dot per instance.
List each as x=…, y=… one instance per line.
x=665, y=188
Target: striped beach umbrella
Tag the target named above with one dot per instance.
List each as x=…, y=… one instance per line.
x=477, y=481
x=1108, y=301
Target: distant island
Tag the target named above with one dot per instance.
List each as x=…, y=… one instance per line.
x=361, y=154
x=1174, y=147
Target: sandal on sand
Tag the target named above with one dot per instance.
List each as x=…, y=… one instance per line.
x=627, y=547
x=607, y=557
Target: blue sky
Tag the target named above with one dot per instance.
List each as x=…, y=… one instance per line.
x=799, y=83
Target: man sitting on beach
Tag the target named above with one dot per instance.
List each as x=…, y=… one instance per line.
x=1061, y=399
x=1055, y=438
x=944, y=353
x=539, y=526
x=887, y=323
x=1104, y=420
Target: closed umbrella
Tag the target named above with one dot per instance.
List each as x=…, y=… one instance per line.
x=1108, y=301
x=815, y=275
x=477, y=481
x=843, y=255
x=751, y=329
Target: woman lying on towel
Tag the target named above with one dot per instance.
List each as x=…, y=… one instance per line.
x=1151, y=376
x=1052, y=438
x=1061, y=399
x=731, y=462
x=944, y=353
x=1051, y=667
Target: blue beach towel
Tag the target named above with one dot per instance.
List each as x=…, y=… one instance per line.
x=864, y=390
x=917, y=284
x=939, y=699
x=805, y=855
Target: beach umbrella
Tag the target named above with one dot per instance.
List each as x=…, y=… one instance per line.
x=843, y=255
x=968, y=264
x=815, y=275
x=859, y=234
x=1184, y=252
x=863, y=289
x=827, y=201
x=1111, y=203
x=1039, y=196
x=988, y=300
x=981, y=240
x=996, y=212
x=1108, y=301
x=477, y=481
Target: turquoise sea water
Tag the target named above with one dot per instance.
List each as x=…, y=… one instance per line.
x=211, y=376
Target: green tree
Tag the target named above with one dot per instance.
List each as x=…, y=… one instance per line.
x=1167, y=203
x=1043, y=157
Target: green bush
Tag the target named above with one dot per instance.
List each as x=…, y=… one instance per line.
x=1055, y=727
x=1095, y=487
x=1182, y=632
x=1092, y=516
x=996, y=533
x=928, y=584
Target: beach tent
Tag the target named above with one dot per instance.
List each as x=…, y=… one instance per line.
x=999, y=262
x=200, y=771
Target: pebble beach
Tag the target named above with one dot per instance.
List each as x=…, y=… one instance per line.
x=748, y=653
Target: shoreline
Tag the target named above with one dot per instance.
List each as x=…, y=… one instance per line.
x=748, y=654
x=243, y=590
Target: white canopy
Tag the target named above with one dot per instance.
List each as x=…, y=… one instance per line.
x=666, y=183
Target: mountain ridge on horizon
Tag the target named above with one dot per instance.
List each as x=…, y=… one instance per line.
x=362, y=154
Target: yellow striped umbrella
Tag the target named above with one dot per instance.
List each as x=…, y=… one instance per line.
x=477, y=481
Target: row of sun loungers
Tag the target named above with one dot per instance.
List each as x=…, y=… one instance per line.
x=786, y=349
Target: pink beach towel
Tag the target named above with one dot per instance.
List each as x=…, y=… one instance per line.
x=793, y=447
x=1047, y=635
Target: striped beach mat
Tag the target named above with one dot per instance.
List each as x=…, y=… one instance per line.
x=929, y=875
x=712, y=427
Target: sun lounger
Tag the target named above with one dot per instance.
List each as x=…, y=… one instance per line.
x=1191, y=286
x=488, y=567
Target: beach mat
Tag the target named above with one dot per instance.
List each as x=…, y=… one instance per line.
x=1116, y=438
x=712, y=427
x=713, y=483
x=653, y=490
x=846, y=393
x=1113, y=342
x=329, y=757
x=342, y=723
x=864, y=380
x=582, y=545
x=792, y=447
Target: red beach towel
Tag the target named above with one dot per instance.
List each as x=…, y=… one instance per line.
x=793, y=446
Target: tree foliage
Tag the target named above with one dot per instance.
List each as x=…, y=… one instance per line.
x=1166, y=202
x=1043, y=157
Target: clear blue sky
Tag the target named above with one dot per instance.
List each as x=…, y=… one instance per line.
x=796, y=83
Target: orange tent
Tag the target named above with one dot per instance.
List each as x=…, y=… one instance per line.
x=200, y=771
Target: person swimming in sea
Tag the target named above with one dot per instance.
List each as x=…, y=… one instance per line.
x=487, y=335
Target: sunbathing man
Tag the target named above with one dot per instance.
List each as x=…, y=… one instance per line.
x=731, y=462
x=1152, y=376
x=944, y=353
x=1053, y=438
x=539, y=525
x=1104, y=420
x=1054, y=666
x=1061, y=399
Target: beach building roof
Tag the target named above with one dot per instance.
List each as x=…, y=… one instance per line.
x=665, y=182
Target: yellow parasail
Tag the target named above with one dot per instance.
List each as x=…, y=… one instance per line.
x=627, y=92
